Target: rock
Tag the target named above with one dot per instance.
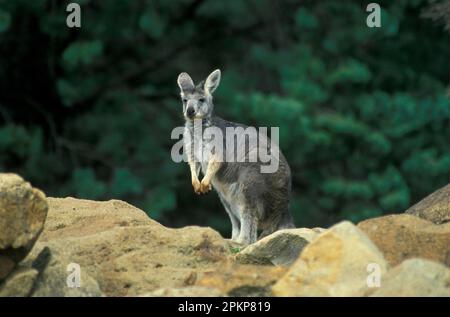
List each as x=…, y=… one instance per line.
x=280, y=248
x=53, y=275
x=435, y=207
x=123, y=250
x=242, y=280
x=117, y=250
x=400, y=237
x=415, y=277
x=189, y=291
x=68, y=217
x=334, y=264
x=23, y=210
x=19, y=284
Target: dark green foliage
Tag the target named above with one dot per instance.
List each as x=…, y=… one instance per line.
x=363, y=113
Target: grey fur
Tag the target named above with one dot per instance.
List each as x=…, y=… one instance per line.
x=254, y=201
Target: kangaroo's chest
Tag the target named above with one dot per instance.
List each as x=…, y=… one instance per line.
x=229, y=194
x=202, y=151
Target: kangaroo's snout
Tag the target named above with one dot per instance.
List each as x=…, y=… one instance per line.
x=190, y=112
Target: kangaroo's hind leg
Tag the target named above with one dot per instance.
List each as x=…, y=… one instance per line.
x=278, y=217
x=235, y=223
x=249, y=224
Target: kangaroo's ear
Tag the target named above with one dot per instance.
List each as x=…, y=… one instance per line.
x=185, y=82
x=212, y=82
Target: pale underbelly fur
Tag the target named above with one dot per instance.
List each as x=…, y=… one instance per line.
x=230, y=194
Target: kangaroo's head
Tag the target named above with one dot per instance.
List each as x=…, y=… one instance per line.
x=198, y=100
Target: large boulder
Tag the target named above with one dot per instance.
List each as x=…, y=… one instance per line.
x=280, y=248
x=402, y=237
x=336, y=263
x=415, y=277
x=23, y=210
x=435, y=207
x=122, y=249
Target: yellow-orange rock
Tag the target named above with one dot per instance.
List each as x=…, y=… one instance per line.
x=336, y=263
x=401, y=237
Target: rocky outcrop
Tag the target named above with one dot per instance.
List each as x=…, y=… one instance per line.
x=334, y=264
x=415, y=277
x=89, y=248
x=401, y=237
x=23, y=210
x=127, y=253
x=281, y=248
x=435, y=207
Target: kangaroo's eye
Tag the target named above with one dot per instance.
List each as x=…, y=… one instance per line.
x=202, y=100
x=184, y=100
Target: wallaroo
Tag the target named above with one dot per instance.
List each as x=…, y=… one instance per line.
x=237, y=140
x=255, y=200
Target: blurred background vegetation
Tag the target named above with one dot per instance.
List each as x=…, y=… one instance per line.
x=363, y=112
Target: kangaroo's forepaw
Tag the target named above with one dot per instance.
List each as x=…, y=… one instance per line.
x=205, y=186
x=197, y=186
